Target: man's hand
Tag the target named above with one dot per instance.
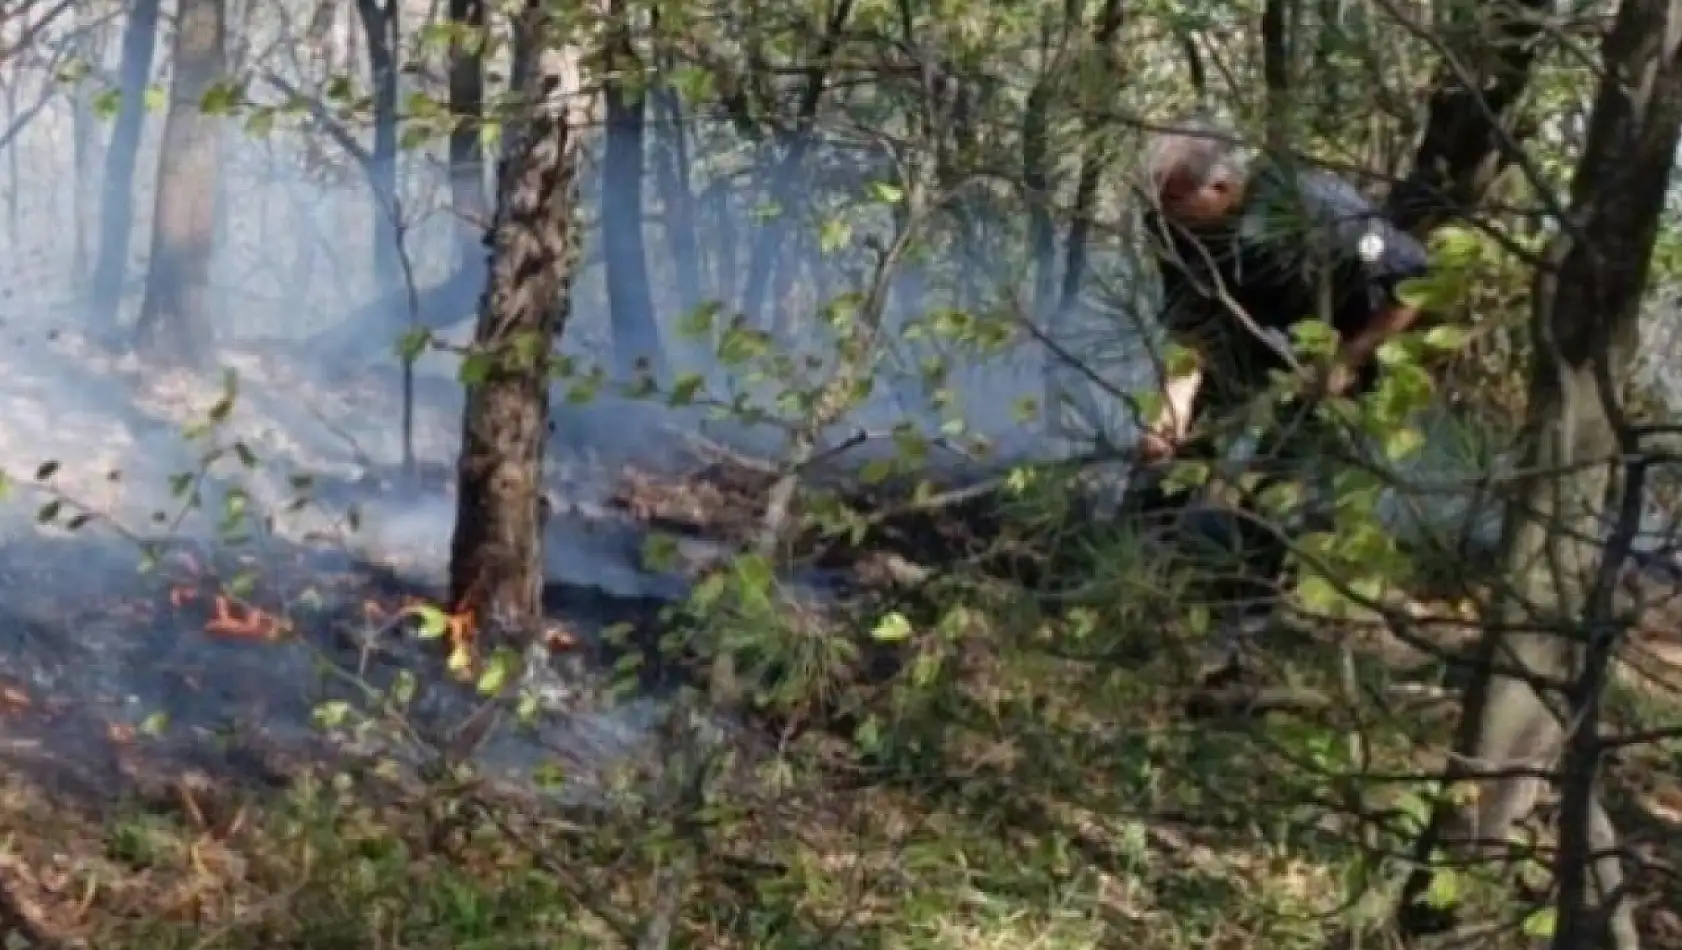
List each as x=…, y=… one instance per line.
x=1159, y=442
x=1340, y=378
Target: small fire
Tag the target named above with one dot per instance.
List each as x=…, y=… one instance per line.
x=233, y=618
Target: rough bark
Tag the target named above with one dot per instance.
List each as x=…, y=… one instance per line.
x=636, y=336
x=1472, y=119
x=175, y=325
x=496, y=564
x=381, y=32
x=467, y=105
x=1556, y=629
x=116, y=229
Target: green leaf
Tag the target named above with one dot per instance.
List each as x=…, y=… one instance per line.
x=497, y=671
x=834, y=235
x=155, y=724
x=220, y=99
x=475, y=368
x=1314, y=337
x=685, y=390
x=892, y=628
x=155, y=99
x=45, y=471
x=107, y=104
x=886, y=192
x=433, y=621
x=1444, y=891
x=1540, y=923
x=331, y=714
x=1401, y=442
x=1319, y=596
x=48, y=513
x=1447, y=337
x=659, y=552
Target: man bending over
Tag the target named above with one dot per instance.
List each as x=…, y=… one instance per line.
x=1247, y=250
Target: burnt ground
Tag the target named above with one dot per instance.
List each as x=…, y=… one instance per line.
x=120, y=686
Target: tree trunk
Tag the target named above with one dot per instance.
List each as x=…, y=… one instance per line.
x=1277, y=46
x=1472, y=119
x=678, y=201
x=175, y=325
x=381, y=32
x=785, y=178
x=467, y=153
x=636, y=336
x=1095, y=158
x=1036, y=180
x=1557, y=623
x=496, y=563
x=116, y=229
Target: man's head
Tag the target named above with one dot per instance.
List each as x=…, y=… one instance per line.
x=1196, y=172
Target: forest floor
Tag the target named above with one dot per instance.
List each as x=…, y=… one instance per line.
x=1037, y=783
x=1036, y=799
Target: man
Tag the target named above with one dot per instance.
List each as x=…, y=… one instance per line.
x=1245, y=253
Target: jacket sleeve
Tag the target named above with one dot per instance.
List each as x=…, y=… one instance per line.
x=1183, y=309
x=1360, y=236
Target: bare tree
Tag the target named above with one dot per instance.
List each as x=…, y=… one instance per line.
x=140, y=39
x=1473, y=121
x=1547, y=649
x=636, y=336
x=382, y=33
x=467, y=106
x=496, y=569
x=175, y=323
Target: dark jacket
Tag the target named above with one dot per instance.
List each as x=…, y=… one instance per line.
x=1304, y=242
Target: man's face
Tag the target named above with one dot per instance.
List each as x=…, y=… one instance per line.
x=1200, y=206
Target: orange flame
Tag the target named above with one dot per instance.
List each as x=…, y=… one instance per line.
x=246, y=623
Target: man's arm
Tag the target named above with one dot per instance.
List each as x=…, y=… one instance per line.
x=1367, y=244
x=1185, y=323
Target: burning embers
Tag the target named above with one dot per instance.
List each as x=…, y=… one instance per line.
x=227, y=604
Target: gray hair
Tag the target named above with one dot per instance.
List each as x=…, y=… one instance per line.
x=1193, y=153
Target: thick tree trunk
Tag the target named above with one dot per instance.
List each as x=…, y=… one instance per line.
x=116, y=230
x=496, y=563
x=175, y=324
x=467, y=153
x=381, y=32
x=636, y=336
x=1472, y=119
x=1557, y=623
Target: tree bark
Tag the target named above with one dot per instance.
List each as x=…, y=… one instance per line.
x=636, y=336
x=175, y=324
x=1094, y=160
x=677, y=200
x=382, y=33
x=467, y=153
x=1472, y=119
x=496, y=563
x=1556, y=628
x=116, y=229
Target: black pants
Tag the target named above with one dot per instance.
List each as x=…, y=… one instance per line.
x=1238, y=555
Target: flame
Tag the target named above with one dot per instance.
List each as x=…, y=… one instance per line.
x=246, y=622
